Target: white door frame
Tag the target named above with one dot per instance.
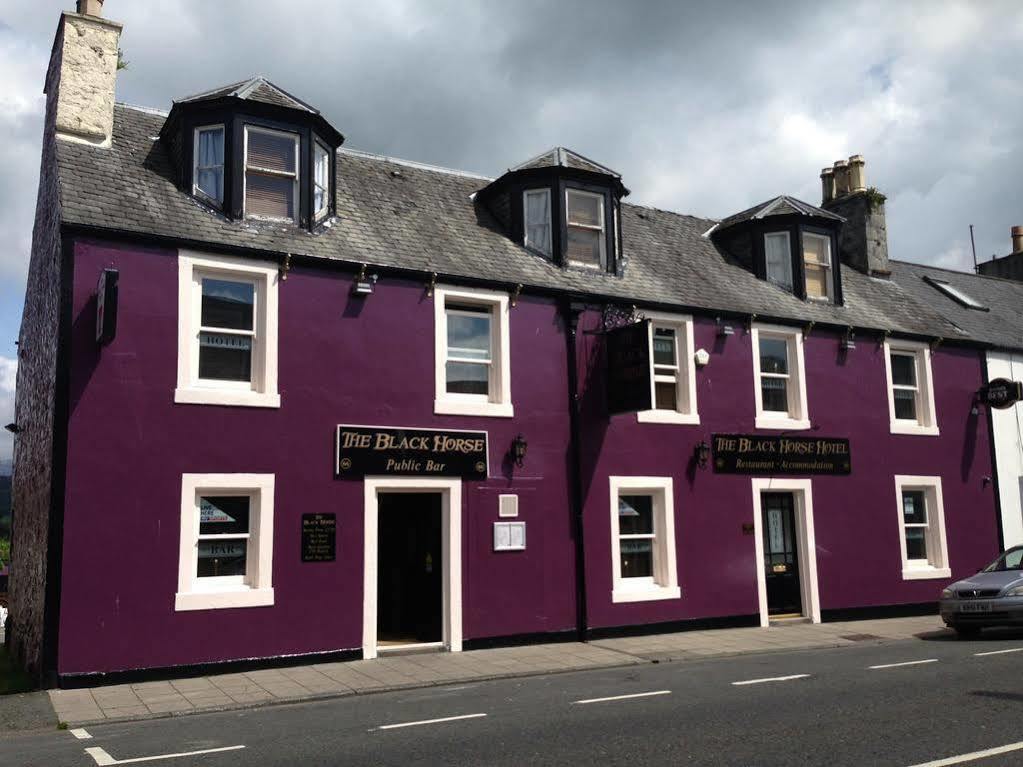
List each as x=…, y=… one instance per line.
x=802, y=493
x=451, y=554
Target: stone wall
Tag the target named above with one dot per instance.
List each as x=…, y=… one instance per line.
x=864, y=241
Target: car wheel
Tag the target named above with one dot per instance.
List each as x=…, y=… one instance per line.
x=967, y=632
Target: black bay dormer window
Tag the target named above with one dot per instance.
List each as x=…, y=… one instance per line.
x=253, y=152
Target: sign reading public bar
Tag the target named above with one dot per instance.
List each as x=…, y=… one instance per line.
x=628, y=368
x=759, y=454
x=319, y=537
x=385, y=450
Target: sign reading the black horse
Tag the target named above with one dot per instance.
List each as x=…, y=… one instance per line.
x=386, y=450
x=628, y=368
x=758, y=454
x=1001, y=393
x=319, y=537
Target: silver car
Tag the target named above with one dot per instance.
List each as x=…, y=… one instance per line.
x=992, y=597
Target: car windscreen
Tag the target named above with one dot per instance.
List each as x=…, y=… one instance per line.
x=1010, y=560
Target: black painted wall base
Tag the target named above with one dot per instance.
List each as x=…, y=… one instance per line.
x=518, y=640
x=879, y=611
x=671, y=627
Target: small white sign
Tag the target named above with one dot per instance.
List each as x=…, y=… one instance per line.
x=509, y=536
x=507, y=505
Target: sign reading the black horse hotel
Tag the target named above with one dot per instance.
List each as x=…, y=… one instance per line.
x=758, y=454
x=385, y=450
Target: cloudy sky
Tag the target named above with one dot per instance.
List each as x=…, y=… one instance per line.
x=704, y=108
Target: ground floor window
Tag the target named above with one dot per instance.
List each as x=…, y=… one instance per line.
x=643, y=539
x=226, y=549
x=922, y=527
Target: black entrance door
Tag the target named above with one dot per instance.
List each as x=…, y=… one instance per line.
x=409, y=568
x=781, y=559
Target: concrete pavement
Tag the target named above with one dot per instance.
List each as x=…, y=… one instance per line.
x=326, y=680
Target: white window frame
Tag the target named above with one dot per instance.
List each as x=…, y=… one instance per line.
x=664, y=583
x=788, y=250
x=195, y=162
x=498, y=403
x=255, y=589
x=601, y=227
x=318, y=214
x=684, y=376
x=829, y=277
x=267, y=172
x=261, y=391
x=926, y=422
x=546, y=192
x=798, y=417
x=937, y=563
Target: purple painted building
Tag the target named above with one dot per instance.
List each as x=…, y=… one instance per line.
x=281, y=399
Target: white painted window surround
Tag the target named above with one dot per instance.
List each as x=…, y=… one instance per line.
x=261, y=391
x=664, y=582
x=497, y=402
x=936, y=565
x=255, y=589
x=926, y=422
x=797, y=417
x=686, y=411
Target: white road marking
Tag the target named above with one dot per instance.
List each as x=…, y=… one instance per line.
x=998, y=652
x=771, y=679
x=429, y=721
x=80, y=734
x=973, y=756
x=102, y=758
x=622, y=697
x=907, y=663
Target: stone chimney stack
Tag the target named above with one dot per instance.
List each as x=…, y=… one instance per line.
x=864, y=241
x=82, y=74
x=1017, y=239
x=827, y=184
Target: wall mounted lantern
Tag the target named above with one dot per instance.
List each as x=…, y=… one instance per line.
x=701, y=454
x=518, y=450
x=724, y=329
x=364, y=283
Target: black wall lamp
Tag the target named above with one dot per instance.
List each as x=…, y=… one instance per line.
x=13, y=428
x=701, y=454
x=364, y=283
x=518, y=450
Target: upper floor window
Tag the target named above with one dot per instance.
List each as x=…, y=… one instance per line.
x=586, y=237
x=208, y=163
x=910, y=388
x=227, y=332
x=321, y=180
x=779, y=372
x=473, y=373
x=672, y=373
x=778, y=258
x=537, y=215
x=817, y=265
x=271, y=173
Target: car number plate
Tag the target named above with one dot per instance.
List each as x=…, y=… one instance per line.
x=974, y=607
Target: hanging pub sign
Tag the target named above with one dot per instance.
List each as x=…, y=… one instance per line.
x=319, y=537
x=386, y=450
x=759, y=454
x=1001, y=393
x=106, y=306
x=628, y=368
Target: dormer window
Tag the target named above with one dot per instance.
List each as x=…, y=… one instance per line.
x=208, y=163
x=817, y=266
x=271, y=173
x=321, y=180
x=586, y=238
x=537, y=215
x=778, y=256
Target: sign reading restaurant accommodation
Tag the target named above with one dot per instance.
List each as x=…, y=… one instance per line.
x=386, y=450
x=628, y=368
x=759, y=454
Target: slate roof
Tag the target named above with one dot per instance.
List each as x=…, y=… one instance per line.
x=254, y=89
x=424, y=219
x=778, y=206
x=561, y=157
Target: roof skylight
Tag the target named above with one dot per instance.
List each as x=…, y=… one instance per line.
x=956, y=294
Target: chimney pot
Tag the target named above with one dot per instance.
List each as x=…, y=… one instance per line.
x=1017, y=239
x=90, y=7
x=827, y=185
x=857, y=174
x=841, y=174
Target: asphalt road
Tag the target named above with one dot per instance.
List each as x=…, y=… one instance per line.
x=823, y=707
